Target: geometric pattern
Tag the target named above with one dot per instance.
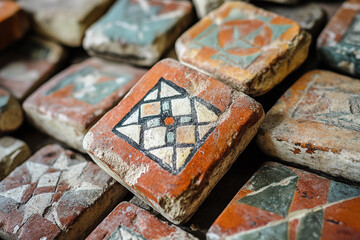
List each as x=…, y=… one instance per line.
x=168, y=125
x=352, y=34
x=238, y=40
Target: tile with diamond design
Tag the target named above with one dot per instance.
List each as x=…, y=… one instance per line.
x=26, y=65
x=316, y=123
x=72, y=101
x=128, y=221
x=11, y=114
x=339, y=42
x=55, y=194
x=246, y=47
x=281, y=202
x=173, y=137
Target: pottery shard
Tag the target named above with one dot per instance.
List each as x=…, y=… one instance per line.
x=72, y=101
x=13, y=152
x=169, y=156
x=13, y=23
x=281, y=202
x=316, y=123
x=55, y=194
x=137, y=31
x=339, y=42
x=246, y=47
x=128, y=221
x=64, y=21
x=11, y=115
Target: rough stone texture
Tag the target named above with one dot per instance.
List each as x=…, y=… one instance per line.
x=11, y=115
x=281, y=202
x=128, y=221
x=137, y=31
x=173, y=137
x=28, y=64
x=310, y=16
x=316, y=123
x=339, y=42
x=65, y=20
x=55, y=194
x=72, y=101
x=13, y=23
x=244, y=46
x=13, y=152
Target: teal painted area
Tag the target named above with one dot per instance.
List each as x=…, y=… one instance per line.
x=340, y=191
x=277, y=232
x=278, y=30
x=86, y=85
x=235, y=14
x=3, y=102
x=123, y=233
x=310, y=226
x=170, y=137
x=128, y=22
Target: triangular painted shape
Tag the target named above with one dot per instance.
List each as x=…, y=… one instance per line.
x=152, y=95
x=15, y=193
x=131, y=131
x=203, y=130
x=278, y=30
x=165, y=154
x=168, y=91
x=204, y=114
x=181, y=156
x=36, y=170
x=134, y=118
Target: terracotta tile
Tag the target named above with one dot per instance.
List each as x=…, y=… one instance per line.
x=246, y=47
x=13, y=23
x=71, y=102
x=128, y=221
x=339, y=42
x=138, y=32
x=281, y=202
x=173, y=176
x=13, y=152
x=11, y=115
x=29, y=213
x=28, y=64
x=316, y=124
x=64, y=21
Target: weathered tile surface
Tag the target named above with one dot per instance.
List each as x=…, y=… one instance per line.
x=138, y=31
x=13, y=152
x=339, y=43
x=13, y=23
x=316, y=123
x=247, y=47
x=27, y=64
x=173, y=137
x=281, y=202
x=65, y=20
x=11, y=115
x=55, y=194
x=72, y=101
x=128, y=221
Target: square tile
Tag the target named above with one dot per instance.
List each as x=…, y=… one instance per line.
x=72, y=101
x=339, y=42
x=316, y=123
x=185, y=134
x=164, y=176
x=244, y=46
x=281, y=202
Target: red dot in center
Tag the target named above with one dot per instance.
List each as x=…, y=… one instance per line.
x=169, y=121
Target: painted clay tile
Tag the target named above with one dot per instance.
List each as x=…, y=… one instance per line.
x=173, y=137
x=11, y=115
x=137, y=31
x=281, y=202
x=339, y=42
x=13, y=152
x=13, y=23
x=128, y=221
x=246, y=47
x=55, y=194
x=316, y=123
x=28, y=64
x=71, y=102
x=66, y=20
